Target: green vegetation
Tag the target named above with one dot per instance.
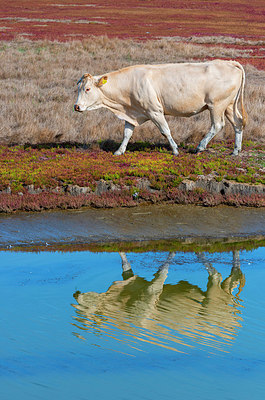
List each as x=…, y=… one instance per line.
x=192, y=245
x=47, y=168
x=48, y=177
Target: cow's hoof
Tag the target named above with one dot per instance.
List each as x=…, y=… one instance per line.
x=76, y=294
x=175, y=153
x=235, y=153
x=199, y=150
x=118, y=153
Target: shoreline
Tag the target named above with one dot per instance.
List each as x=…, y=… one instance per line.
x=154, y=227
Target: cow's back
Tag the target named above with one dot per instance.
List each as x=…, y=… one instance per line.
x=187, y=88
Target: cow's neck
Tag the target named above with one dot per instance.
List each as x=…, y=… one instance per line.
x=113, y=105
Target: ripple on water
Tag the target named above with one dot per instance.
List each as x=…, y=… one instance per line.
x=158, y=323
x=169, y=315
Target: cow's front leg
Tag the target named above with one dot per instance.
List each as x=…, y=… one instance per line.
x=127, y=271
x=238, y=141
x=126, y=266
x=128, y=131
x=160, y=121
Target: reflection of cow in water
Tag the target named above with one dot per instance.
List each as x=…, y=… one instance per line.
x=159, y=313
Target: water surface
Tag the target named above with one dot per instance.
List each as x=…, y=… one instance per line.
x=155, y=325
x=149, y=222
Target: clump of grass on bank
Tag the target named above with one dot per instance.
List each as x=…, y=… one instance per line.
x=142, y=246
x=38, y=90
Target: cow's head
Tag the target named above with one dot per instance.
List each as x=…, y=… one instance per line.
x=89, y=93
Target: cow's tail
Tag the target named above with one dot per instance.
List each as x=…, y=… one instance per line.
x=240, y=94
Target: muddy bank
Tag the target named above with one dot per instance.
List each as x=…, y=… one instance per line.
x=185, y=224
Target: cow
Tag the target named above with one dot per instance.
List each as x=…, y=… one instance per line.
x=172, y=311
x=140, y=93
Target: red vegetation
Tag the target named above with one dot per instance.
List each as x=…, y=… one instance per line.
x=210, y=200
x=50, y=201
x=49, y=19
x=66, y=20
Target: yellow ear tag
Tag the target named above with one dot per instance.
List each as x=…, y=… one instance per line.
x=104, y=81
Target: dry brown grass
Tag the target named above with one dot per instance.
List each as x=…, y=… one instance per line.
x=38, y=90
x=222, y=40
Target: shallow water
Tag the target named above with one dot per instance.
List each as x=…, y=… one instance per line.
x=151, y=325
x=150, y=222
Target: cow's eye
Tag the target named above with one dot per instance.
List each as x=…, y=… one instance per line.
x=87, y=89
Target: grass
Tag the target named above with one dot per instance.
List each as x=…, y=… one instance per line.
x=38, y=90
x=192, y=245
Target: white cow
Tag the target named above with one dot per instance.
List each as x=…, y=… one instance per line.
x=149, y=92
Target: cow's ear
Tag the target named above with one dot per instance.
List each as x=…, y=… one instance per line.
x=102, y=81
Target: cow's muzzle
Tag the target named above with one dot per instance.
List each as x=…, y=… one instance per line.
x=77, y=108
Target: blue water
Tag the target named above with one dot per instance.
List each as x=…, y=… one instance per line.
x=74, y=327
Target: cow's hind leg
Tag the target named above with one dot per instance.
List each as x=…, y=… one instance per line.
x=217, y=124
x=236, y=121
x=236, y=278
x=128, y=131
x=160, y=121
